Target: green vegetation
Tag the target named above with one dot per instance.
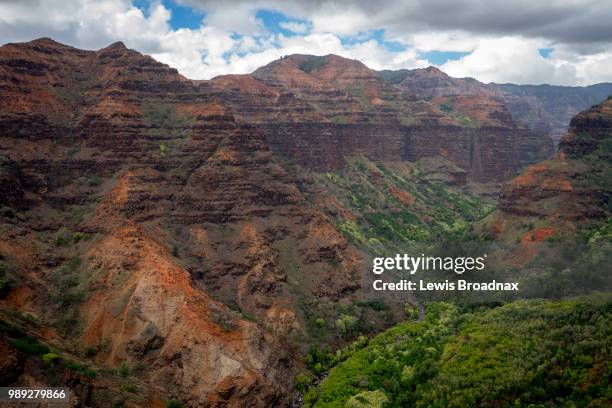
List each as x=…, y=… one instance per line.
x=5, y=281
x=601, y=233
x=90, y=351
x=124, y=370
x=163, y=150
x=368, y=399
x=527, y=353
x=328, y=322
x=166, y=125
x=62, y=238
x=94, y=180
x=393, y=76
x=30, y=346
x=302, y=382
x=160, y=115
x=51, y=357
x=173, y=404
x=65, y=280
x=406, y=205
x=80, y=368
x=312, y=63
x=131, y=388
x=446, y=108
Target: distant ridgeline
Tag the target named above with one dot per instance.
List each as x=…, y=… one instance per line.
x=544, y=108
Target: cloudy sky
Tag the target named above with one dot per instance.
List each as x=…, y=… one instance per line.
x=562, y=42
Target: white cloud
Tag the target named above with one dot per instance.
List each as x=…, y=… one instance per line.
x=457, y=41
x=197, y=54
x=295, y=27
x=589, y=68
x=511, y=59
x=235, y=17
x=340, y=20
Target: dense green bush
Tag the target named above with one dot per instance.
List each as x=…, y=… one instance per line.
x=526, y=353
x=124, y=370
x=312, y=63
x=94, y=180
x=302, y=381
x=29, y=345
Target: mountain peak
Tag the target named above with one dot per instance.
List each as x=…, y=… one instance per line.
x=119, y=45
x=313, y=69
x=47, y=41
x=431, y=71
x=310, y=63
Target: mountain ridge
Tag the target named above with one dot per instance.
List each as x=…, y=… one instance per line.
x=546, y=108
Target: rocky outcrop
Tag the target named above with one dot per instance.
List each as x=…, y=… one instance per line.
x=575, y=185
x=147, y=310
x=545, y=109
x=478, y=104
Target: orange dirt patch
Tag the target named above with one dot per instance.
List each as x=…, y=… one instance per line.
x=403, y=196
x=557, y=184
x=498, y=227
x=529, y=176
x=538, y=235
x=19, y=298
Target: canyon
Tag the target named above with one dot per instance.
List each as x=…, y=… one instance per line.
x=197, y=237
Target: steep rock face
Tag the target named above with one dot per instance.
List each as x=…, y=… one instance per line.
x=10, y=182
x=486, y=153
x=544, y=109
x=464, y=96
x=319, y=110
x=573, y=186
x=147, y=306
x=178, y=202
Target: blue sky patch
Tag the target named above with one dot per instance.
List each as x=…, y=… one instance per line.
x=441, y=57
x=272, y=21
x=378, y=35
x=545, y=52
x=181, y=16
x=393, y=46
x=143, y=5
